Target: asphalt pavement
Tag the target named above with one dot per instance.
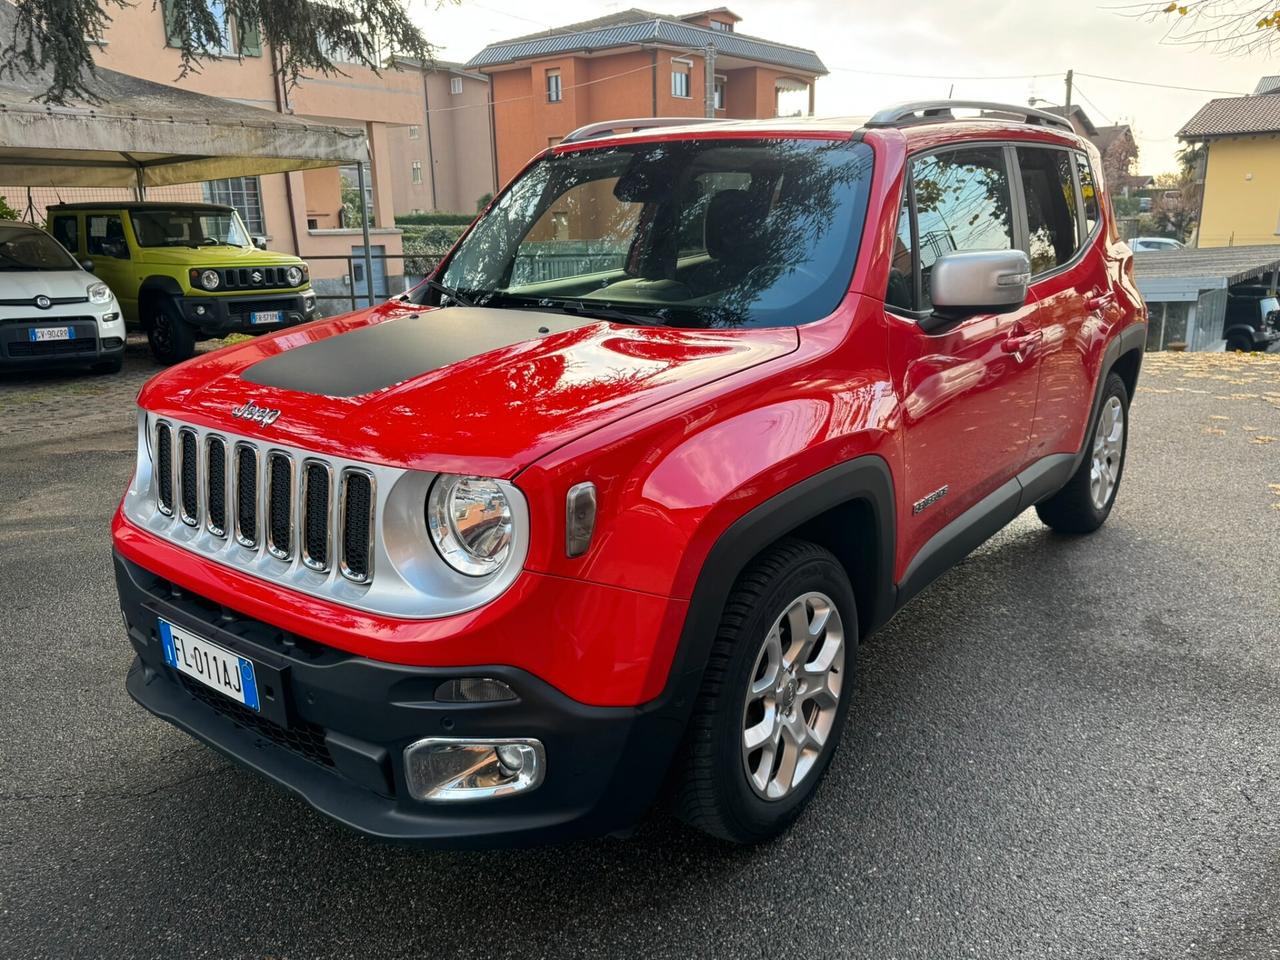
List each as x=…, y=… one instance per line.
x=1063, y=748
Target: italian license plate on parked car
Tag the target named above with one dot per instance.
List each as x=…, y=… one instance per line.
x=266, y=316
x=38, y=334
x=209, y=664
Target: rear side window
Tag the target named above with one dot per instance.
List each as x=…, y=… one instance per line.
x=66, y=232
x=1088, y=192
x=1053, y=224
x=963, y=202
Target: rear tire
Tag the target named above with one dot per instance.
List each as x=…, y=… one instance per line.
x=774, y=696
x=172, y=339
x=1084, y=504
x=1239, y=345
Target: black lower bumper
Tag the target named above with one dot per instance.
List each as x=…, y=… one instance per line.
x=333, y=728
x=85, y=348
x=219, y=316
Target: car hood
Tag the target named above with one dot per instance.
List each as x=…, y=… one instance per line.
x=460, y=389
x=25, y=285
x=215, y=257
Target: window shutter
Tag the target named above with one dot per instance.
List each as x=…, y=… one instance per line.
x=250, y=38
x=172, y=32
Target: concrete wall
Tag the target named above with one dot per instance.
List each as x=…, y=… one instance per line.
x=1242, y=192
x=452, y=145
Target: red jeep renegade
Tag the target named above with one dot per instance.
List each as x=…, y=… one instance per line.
x=609, y=502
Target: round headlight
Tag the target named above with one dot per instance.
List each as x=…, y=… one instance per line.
x=209, y=279
x=294, y=276
x=99, y=293
x=470, y=523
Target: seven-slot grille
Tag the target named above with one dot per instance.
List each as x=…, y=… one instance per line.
x=270, y=501
x=250, y=278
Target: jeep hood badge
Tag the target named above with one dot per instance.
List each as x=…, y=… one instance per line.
x=251, y=411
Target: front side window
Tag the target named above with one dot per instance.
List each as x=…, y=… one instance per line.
x=555, y=92
x=178, y=227
x=106, y=236
x=901, y=291
x=695, y=233
x=962, y=203
x=1053, y=225
x=23, y=249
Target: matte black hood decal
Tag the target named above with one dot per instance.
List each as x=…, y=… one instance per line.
x=384, y=354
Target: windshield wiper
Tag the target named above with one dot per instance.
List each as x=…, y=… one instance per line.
x=576, y=308
x=449, y=292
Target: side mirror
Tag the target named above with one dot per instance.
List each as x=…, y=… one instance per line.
x=966, y=282
x=260, y=242
x=86, y=266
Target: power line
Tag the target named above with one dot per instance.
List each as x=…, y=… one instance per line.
x=1163, y=86
x=1083, y=96
x=939, y=76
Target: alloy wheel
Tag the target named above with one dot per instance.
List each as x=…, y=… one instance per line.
x=793, y=696
x=1108, y=451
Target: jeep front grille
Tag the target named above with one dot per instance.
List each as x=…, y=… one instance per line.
x=279, y=506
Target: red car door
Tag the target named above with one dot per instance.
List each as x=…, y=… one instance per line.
x=967, y=392
x=1070, y=282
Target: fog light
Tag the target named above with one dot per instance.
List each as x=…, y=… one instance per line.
x=474, y=690
x=200, y=311
x=444, y=769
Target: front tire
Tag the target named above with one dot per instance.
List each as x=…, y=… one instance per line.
x=1239, y=344
x=1084, y=504
x=172, y=339
x=774, y=697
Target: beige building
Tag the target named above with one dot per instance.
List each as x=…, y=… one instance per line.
x=444, y=162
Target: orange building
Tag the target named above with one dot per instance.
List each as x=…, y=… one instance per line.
x=636, y=64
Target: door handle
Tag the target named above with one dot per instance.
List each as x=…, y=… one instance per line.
x=1101, y=300
x=1020, y=346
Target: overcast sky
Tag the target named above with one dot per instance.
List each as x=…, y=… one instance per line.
x=955, y=42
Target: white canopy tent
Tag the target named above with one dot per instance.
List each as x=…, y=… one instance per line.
x=141, y=134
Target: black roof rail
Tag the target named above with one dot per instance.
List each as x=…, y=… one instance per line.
x=938, y=111
x=606, y=128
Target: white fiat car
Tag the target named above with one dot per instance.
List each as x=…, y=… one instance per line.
x=53, y=312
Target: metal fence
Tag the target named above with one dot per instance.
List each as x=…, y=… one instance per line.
x=368, y=278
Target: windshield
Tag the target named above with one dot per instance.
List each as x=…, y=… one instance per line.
x=188, y=228
x=694, y=233
x=26, y=248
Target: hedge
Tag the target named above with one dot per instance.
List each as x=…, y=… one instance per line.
x=434, y=219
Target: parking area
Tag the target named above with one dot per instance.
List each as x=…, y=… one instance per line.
x=1063, y=748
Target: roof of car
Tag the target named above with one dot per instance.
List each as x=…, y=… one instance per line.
x=139, y=205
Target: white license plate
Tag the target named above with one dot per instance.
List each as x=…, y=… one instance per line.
x=51, y=333
x=266, y=316
x=210, y=664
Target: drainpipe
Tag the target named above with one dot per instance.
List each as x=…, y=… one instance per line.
x=431, y=150
x=493, y=135
x=654, y=78
x=282, y=106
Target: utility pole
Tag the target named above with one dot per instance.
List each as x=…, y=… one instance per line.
x=1067, y=104
x=709, y=81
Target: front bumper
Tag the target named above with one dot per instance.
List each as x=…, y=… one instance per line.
x=334, y=725
x=94, y=342
x=219, y=316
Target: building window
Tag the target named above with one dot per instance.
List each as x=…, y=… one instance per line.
x=455, y=85
x=680, y=78
x=243, y=193
x=719, y=93
x=413, y=131
x=415, y=171
x=721, y=26
x=555, y=93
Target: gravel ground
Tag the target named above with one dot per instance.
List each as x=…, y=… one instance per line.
x=1064, y=748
